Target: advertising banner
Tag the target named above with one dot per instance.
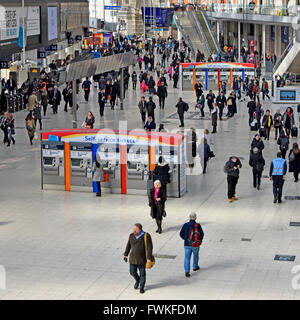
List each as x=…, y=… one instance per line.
x=11, y=22
x=52, y=23
x=285, y=34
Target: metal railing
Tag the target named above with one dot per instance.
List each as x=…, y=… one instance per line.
x=249, y=8
x=281, y=58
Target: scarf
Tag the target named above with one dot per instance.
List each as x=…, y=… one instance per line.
x=269, y=122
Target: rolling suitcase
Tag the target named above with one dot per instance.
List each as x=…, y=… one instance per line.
x=294, y=132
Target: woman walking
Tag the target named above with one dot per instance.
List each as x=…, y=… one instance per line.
x=10, y=129
x=157, y=199
x=37, y=114
x=89, y=121
x=288, y=121
x=161, y=172
x=294, y=161
x=98, y=175
x=30, y=127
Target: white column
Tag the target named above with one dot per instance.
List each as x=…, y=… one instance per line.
x=239, y=41
x=264, y=45
x=218, y=30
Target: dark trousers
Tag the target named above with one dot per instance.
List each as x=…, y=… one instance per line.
x=232, y=182
x=101, y=105
x=181, y=118
x=175, y=84
x=158, y=222
x=99, y=187
x=205, y=165
x=220, y=112
x=40, y=121
x=134, y=85
x=296, y=174
x=86, y=95
x=112, y=103
x=45, y=109
x=277, y=131
x=162, y=102
x=283, y=152
x=277, y=186
x=141, y=278
x=267, y=133
x=143, y=115
x=265, y=94
x=214, y=129
x=256, y=178
x=202, y=111
x=55, y=106
x=251, y=118
x=66, y=105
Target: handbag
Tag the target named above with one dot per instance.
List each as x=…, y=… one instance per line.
x=292, y=157
x=149, y=265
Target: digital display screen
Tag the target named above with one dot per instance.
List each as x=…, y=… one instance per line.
x=288, y=95
x=131, y=165
x=76, y=162
x=48, y=161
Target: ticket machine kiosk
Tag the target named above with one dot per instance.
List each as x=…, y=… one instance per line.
x=81, y=165
x=110, y=158
x=137, y=168
x=53, y=164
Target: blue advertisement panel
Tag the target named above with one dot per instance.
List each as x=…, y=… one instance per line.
x=285, y=34
x=159, y=17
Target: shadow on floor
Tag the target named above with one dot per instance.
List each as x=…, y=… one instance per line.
x=5, y=223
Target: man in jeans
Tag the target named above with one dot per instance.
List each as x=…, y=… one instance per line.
x=138, y=255
x=191, y=243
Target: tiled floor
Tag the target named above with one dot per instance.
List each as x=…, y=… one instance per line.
x=58, y=245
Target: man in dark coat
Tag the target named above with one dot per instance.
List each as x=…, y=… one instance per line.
x=101, y=101
x=161, y=172
x=150, y=108
x=182, y=107
x=162, y=94
x=257, y=163
x=139, y=255
x=221, y=103
x=198, y=90
x=251, y=109
x=232, y=167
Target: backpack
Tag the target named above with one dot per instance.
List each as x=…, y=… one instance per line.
x=284, y=144
x=259, y=167
x=194, y=236
x=186, y=106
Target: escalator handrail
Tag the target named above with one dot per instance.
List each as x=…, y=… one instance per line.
x=281, y=58
x=218, y=49
x=199, y=29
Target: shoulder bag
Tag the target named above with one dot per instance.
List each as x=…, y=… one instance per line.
x=149, y=265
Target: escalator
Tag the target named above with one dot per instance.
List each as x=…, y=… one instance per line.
x=210, y=38
x=196, y=29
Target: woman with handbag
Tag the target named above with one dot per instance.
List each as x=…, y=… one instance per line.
x=98, y=175
x=10, y=129
x=89, y=121
x=294, y=161
x=157, y=199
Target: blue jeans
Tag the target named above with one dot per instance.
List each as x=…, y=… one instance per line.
x=138, y=278
x=188, y=250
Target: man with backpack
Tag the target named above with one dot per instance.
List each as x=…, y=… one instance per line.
x=192, y=234
x=182, y=107
x=86, y=85
x=283, y=142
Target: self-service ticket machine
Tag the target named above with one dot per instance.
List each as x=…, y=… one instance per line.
x=81, y=165
x=170, y=155
x=110, y=159
x=137, y=168
x=53, y=164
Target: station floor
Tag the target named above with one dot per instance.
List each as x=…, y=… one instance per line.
x=61, y=245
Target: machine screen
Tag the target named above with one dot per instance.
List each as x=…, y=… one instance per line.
x=48, y=161
x=76, y=162
x=131, y=165
x=287, y=95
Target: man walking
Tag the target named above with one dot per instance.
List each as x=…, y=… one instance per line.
x=101, y=101
x=86, y=85
x=143, y=108
x=221, y=103
x=251, y=109
x=162, y=94
x=136, y=245
x=232, y=167
x=150, y=108
x=182, y=107
x=277, y=175
x=192, y=234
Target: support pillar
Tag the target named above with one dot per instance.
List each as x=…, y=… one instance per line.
x=239, y=41
x=264, y=45
x=74, y=96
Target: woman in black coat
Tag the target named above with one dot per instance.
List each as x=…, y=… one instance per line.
x=294, y=161
x=157, y=199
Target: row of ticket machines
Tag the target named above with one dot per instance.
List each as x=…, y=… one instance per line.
x=70, y=167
